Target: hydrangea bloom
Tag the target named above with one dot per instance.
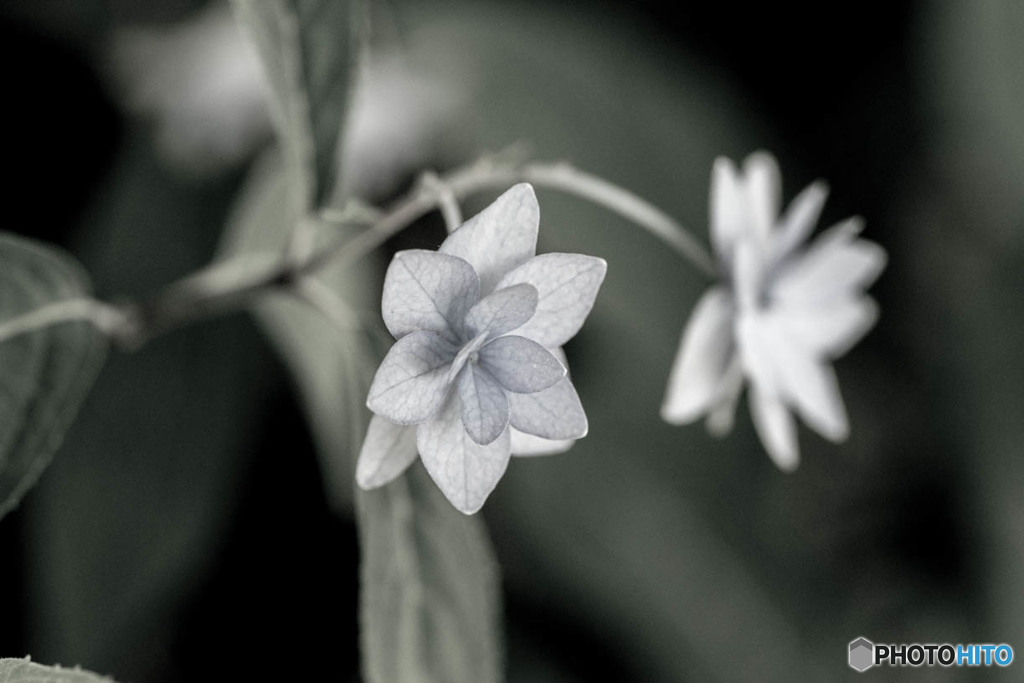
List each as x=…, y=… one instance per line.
x=779, y=315
x=477, y=371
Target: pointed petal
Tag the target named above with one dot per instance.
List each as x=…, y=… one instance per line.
x=728, y=208
x=567, y=285
x=704, y=353
x=520, y=364
x=798, y=222
x=560, y=356
x=484, y=405
x=722, y=414
x=503, y=310
x=829, y=330
x=465, y=471
x=748, y=274
x=424, y=290
x=554, y=413
x=754, y=339
x=775, y=426
x=764, y=193
x=500, y=237
x=412, y=381
x=782, y=368
x=387, y=451
x=836, y=265
x=811, y=386
x=527, y=445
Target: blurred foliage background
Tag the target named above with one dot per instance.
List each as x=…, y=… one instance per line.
x=186, y=527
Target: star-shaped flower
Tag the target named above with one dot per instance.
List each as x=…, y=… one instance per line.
x=779, y=315
x=477, y=371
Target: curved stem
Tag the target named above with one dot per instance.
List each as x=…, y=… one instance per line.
x=485, y=175
x=447, y=202
x=107, y=318
x=235, y=284
x=614, y=198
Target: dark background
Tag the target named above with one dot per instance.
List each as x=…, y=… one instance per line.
x=197, y=541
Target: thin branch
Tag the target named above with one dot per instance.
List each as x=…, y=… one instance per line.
x=109, y=319
x=355, y=212
x=217, y=289
x=234, y=284
x=485, y=175
x=446, y=200
x=614, y=198
x=323, y=299
x=298, y=128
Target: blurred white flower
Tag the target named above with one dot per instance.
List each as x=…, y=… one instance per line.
x=200, y=81
x=779, y=315
x=477, y=371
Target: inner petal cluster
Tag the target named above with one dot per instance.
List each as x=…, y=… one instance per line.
x=463, y=344
x=477, y=373
x=782, y=312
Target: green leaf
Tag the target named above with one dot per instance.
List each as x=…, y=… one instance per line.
x=128, y=525
x=430, y=601
x=26, y=671
x=307, y=54
x=331, y=366
x=430, y=587
x=44, y=375
x=973, y=79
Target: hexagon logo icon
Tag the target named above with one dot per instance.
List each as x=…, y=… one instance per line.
x=862, y=654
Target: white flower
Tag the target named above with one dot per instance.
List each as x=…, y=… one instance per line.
x=200, y=82
x=477, y=371
x=779, y=315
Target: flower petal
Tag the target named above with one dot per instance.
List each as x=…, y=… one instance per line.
x=412, y=381
x=780, y=367
x=799, y=220
x=811, y=386
x=484, y=405
x=705, y=351
x=500, y=237
x=748, y=274
x=775, y=426
x=387, y=451
x=764, y=194
x=502, y=310
x=425, y=290
x=728, y=208
x=829, y=330
x=567, y=285
x=520, y=364
x=722, y=413
x=527, y=445
x=836, y=265
x=754, y=338
x=554, y=413
x=465, y=471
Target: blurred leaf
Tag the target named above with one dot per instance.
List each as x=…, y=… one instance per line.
x=133, y=514
x=645, y=534
x=308, y=52
x=973, y=76
x=431, y=603
x=325, y=361
x=26, y=671
x=45, y=374
x=967, y=240
x=430, y=594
